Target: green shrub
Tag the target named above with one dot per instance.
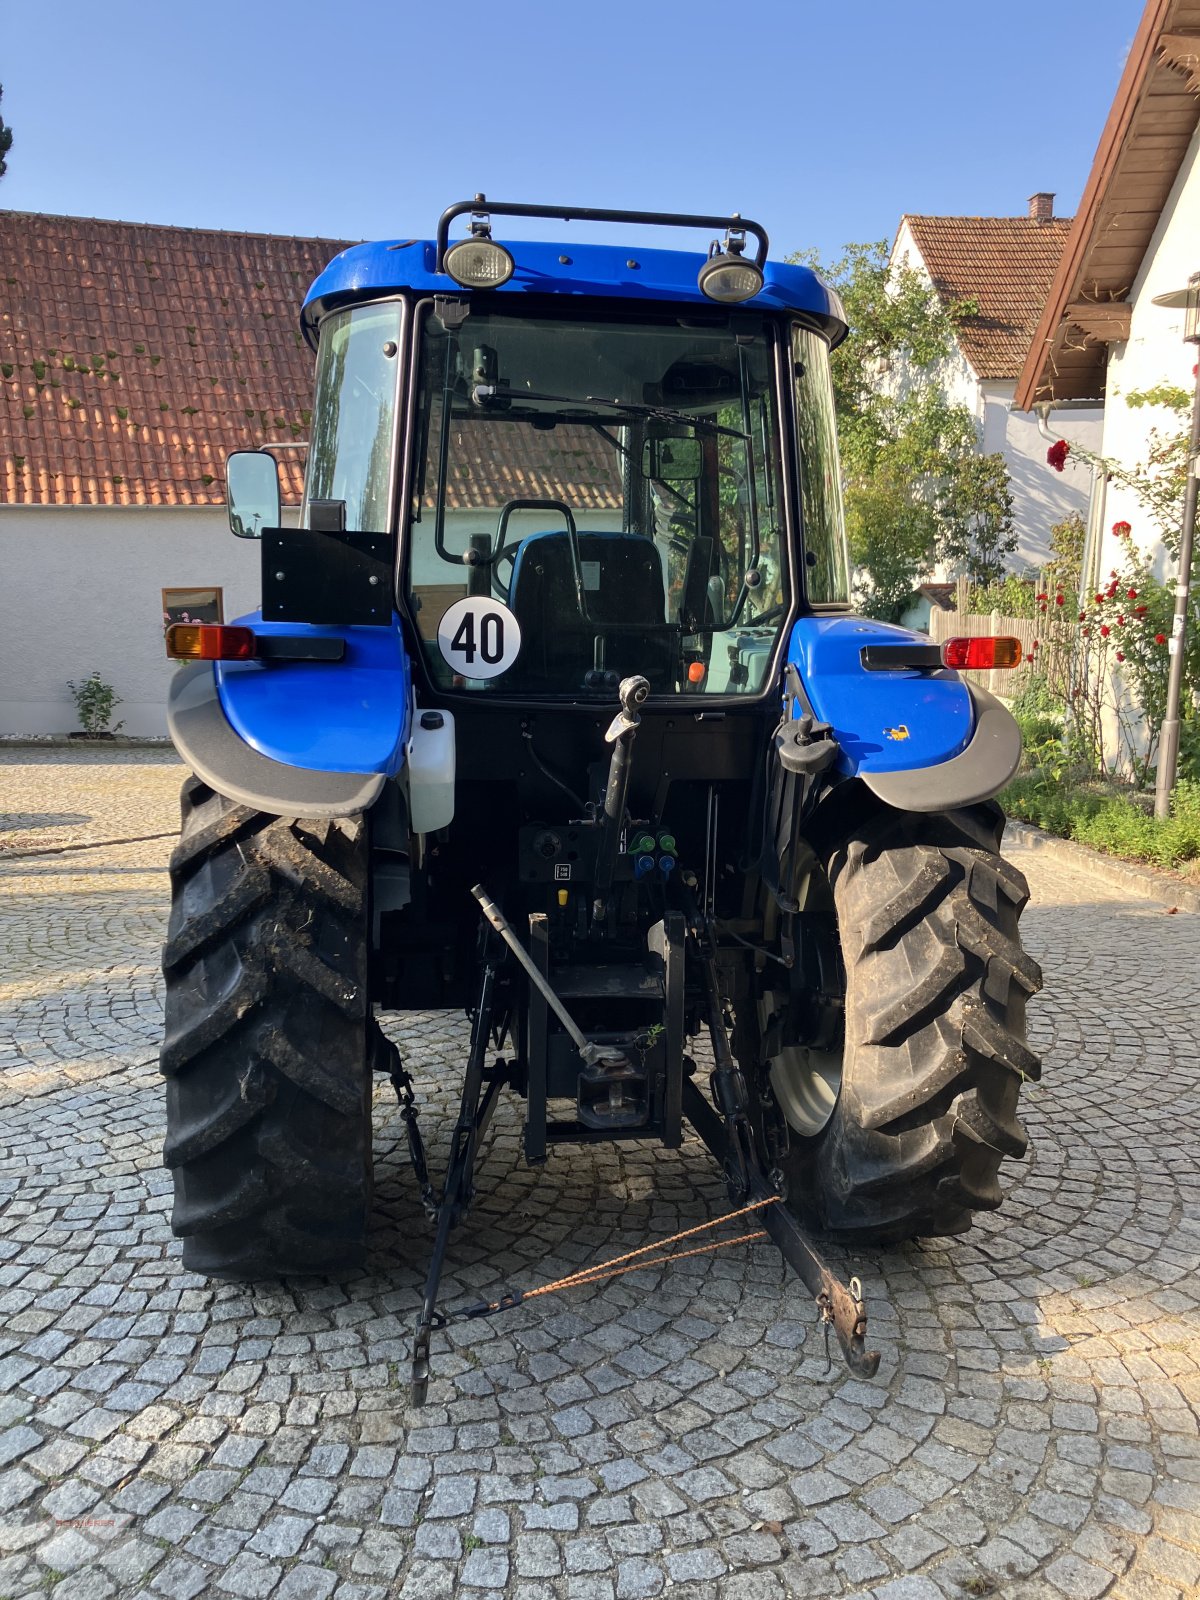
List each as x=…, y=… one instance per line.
x=94, y=701
x=1118, y=826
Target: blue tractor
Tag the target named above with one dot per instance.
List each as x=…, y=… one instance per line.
x=556, y=710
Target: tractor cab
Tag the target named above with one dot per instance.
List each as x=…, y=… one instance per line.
x=583, y=465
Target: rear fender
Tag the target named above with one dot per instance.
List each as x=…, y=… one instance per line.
x=920, y=741
x=298, y=738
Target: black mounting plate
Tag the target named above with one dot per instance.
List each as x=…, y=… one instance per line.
x=330, y=578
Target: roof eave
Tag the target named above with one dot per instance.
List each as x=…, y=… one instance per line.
x=1116, y=129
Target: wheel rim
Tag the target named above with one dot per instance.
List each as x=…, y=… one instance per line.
x=805, y=1082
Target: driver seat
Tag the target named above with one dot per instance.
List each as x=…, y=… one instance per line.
x=623, y=588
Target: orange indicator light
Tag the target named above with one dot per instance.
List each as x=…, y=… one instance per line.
x=696, y=672
x=209, y=641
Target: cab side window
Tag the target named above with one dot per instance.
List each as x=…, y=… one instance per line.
x=827, y=567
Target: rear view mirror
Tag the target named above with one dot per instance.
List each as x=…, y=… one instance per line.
x=252, y=490
x=671, y=460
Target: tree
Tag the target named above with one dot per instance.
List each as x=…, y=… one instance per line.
x=977, y=505
x=5, y=140
x=917, y=489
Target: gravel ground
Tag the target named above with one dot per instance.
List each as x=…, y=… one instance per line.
x=1033, y=1430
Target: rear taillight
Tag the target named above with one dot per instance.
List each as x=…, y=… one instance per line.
x=210, y=641
x=981, y=654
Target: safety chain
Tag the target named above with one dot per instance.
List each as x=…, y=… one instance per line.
x=403, y=1085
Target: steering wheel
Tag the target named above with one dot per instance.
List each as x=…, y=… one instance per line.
x=502, y=586
x=508, y=553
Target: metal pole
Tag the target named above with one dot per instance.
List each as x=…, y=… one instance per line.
x=1168, y=746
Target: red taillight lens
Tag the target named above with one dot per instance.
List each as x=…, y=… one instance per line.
x=209, y=641
x=980, y=654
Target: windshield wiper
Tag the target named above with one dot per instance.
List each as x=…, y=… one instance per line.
x=483, y=392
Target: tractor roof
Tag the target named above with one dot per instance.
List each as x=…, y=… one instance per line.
x=609, y=272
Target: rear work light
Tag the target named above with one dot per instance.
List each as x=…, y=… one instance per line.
x=210, y=641
x=980, y=654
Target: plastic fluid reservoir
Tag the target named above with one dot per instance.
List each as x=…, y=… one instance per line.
x=431, y=771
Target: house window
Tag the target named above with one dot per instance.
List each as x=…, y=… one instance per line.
x=192, y=605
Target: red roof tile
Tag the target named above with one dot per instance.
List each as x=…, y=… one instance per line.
x=133, y=358
x=1007, y=264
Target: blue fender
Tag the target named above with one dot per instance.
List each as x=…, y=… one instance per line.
x=298, y=738
x=921, y=741
x=350, y=715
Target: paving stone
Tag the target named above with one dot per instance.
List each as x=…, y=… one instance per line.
x=17, y=1442
x=638, y=1580
x=249, y=1577
x=485, y=1569
x=281, y=1536
x=687, y=1566
x=1080, y=1580
x=180, y=1580
x=1035, y=1409
x=492, y=1526
x=306, y=1582
x=66, y=1551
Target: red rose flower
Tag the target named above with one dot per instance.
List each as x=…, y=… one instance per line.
x=1082, y=615
x=1139, y=611
x=1099, y=599
x=1131, y=594
x=1120, y=656
x=1040, y=597
x=1120, y=621
x=1104, y=632
x=1058, y=600
x=1122, y=530
x=1160, y=638
x=1058, y=453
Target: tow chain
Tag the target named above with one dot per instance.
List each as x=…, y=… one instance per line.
x=403, y=1085
x=586, y=1276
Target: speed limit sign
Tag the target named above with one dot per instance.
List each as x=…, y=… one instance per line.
x=479, y=637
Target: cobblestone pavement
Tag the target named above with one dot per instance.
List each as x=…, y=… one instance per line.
x=1032, y=1432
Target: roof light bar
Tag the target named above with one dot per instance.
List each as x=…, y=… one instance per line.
x=210, y=641
x=982, y=654
x=480, y=206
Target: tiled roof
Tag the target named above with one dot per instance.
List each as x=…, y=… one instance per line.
x=133, y=358
x=1007, y=264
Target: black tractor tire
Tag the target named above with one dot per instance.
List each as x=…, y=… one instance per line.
x=267, y=1044
x=935, y=1052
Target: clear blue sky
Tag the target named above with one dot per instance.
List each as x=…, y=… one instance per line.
x=825, y=123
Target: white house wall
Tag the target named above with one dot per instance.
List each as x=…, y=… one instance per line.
x=1041, y=496
x=82, y=593
x=1154, y=353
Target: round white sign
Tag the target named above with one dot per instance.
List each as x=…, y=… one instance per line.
x=479, y=637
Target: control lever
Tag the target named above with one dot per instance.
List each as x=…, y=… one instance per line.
x=633, y=692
